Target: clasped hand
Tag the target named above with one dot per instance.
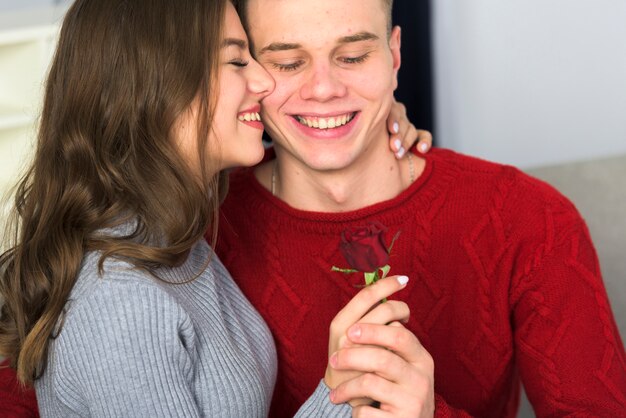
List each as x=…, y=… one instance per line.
x=373, y=357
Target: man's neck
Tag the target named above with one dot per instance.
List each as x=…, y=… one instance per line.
x=374, y=177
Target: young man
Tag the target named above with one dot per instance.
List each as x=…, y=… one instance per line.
x=505, y=280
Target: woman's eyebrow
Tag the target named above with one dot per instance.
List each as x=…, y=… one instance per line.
x=234, y=42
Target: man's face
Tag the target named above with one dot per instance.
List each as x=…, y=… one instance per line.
x=335, y=71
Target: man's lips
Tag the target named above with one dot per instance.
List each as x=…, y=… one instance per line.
x=332, y=127
x=327, y=122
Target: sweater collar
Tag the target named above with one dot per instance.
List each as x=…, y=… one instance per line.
x=416, y=199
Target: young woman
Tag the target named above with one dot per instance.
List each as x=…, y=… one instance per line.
x=114, y=304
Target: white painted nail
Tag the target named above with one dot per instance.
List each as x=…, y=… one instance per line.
x=396, y=127
x=403, y=280
x=423, y=147
x=397, y=144
x=400, y=152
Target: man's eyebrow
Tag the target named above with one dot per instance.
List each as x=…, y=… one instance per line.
x=283, y=46
x=279, y=46
x=358, y=37
x=234, y=42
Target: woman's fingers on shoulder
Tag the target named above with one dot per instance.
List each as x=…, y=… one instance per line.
x=409, y=136
x=425, y=141
x=403, y=134
x=397, y=118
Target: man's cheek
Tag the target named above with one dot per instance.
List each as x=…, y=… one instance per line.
x=282, y=93
x=373, y=87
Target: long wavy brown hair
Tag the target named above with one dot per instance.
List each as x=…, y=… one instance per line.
x=122, y=73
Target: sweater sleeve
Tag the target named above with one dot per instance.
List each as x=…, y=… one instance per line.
x=319, y=405
x=569, y=351
x=125, y=350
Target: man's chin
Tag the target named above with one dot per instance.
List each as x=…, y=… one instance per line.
x=327, y=163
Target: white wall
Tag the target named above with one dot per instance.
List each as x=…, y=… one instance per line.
x=531, y=82
x=6, y=5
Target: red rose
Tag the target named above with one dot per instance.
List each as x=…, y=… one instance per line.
x=364, y=248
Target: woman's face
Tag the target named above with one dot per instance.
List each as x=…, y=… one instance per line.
x=235, y=134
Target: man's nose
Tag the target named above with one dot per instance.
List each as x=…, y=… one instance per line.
x=322, y=84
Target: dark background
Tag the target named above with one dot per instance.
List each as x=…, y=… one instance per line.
x=415, y=77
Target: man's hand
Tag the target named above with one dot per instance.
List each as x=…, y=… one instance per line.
x=398, y=372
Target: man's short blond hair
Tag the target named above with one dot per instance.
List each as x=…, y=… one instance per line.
x=242, y=10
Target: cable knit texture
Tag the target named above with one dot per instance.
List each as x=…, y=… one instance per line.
x=505, y=283
x=134, y=345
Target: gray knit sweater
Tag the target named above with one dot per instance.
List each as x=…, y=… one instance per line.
x=131, y=345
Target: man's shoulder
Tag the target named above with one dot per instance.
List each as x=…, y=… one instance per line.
x=465, y=162
x=508, y=187
x=522, y=212
x=478, y=169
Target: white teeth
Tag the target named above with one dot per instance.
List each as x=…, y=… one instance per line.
x=325, y=123
x=248, y=117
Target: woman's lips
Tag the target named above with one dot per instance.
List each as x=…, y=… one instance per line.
x=251, y=118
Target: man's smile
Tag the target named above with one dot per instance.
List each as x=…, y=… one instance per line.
x=323, y=123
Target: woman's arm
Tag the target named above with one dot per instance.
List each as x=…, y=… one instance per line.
x=125, y=350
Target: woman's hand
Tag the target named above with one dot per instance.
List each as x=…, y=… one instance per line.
x=364, y=308
x=403, y=135
x=398, y=372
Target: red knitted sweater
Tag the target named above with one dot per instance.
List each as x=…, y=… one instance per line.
x=505, y=284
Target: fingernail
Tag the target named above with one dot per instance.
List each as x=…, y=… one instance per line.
x=400, y=152
x=423, y=147
x=397, y=144
x=333, y=360
x=396, y=127
x=354, y=332
x=403, y=280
